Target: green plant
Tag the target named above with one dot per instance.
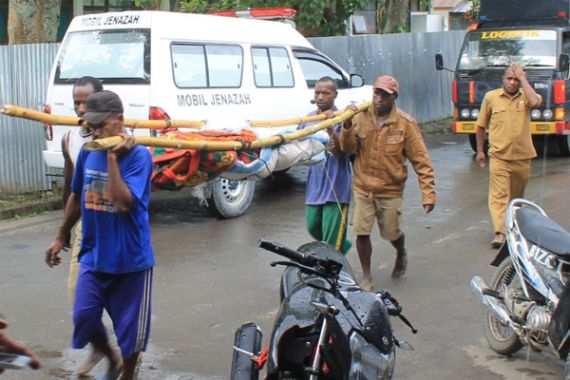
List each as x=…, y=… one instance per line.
x=314, y=17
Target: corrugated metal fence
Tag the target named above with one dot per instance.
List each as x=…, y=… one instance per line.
x=24, y=72
x=424, y=92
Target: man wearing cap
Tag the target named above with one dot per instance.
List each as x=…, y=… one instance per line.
x=505, y=113
x=111, y=194
x=383, y=138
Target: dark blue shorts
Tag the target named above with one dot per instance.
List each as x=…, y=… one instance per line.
x=126, y=297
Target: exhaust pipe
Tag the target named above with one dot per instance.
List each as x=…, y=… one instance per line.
x=498, y=310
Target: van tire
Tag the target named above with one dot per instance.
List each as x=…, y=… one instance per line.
x=230, y=198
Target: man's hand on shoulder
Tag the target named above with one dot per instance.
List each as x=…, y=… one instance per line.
x=125, y=146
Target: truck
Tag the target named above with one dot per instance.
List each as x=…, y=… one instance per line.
x=534, y=34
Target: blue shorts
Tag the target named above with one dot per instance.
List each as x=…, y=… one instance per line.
x=126, y=297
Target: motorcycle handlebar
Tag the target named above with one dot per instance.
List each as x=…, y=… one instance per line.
x=293, y=255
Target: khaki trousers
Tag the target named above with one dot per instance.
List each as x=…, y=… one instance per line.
x=74, y=263
x=507, y=180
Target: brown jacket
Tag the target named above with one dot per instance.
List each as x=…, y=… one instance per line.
x=381, y=153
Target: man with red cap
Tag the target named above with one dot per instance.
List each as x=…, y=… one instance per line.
x=383, y=138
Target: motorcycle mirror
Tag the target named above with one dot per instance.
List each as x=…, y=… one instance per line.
x=402, y=344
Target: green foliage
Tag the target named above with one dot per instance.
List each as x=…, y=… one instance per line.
x=425, y=5
x=473, y=14
x=314, y=17
x=147, y=4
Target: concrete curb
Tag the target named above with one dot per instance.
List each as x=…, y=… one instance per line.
x=26, y=209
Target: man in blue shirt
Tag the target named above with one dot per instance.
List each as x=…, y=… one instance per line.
x=328, y=183
x=111, y=194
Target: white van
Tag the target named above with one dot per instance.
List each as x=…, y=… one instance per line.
x=194, y=67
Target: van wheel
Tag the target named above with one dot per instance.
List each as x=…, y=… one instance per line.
x=230, y=198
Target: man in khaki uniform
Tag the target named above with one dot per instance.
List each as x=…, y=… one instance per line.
x=505, y=114
x=383, y=139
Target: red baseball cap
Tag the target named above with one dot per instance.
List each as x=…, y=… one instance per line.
x=387, y=83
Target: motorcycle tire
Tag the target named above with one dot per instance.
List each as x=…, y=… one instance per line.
x=502, y=339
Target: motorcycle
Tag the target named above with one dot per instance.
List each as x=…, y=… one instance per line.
x=528, y=302
x=326, y=328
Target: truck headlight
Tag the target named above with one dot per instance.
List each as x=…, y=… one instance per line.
x=474, y=113
x=535, y=114
x=465, y=113
x=367, y=361
x=547, y=114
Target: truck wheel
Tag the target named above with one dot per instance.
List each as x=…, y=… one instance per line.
x=473, y=143
x=564, y=145
x=230, y=198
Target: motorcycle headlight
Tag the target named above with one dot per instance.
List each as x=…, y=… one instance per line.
x=535, y=114
x=465, y=113
x=368, y=363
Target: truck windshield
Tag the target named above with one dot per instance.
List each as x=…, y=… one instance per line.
x=114, y=56
x=529, y=48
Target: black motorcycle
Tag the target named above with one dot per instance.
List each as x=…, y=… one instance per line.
x=327, y=326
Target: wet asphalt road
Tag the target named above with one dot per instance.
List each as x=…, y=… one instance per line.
x=210, y=277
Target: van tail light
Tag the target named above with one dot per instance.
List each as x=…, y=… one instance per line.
x=454, y=92
x=48, y=128
x=559, y=92
x=157, y=113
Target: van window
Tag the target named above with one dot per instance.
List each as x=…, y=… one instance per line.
x=203, y=66
x=114, y=56
x=316, y=66
x=272, y=67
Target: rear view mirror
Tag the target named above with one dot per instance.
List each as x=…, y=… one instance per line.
x=356, y=80
x=563, y=62
x=438, y=62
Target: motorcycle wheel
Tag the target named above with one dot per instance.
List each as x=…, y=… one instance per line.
x=502, y=339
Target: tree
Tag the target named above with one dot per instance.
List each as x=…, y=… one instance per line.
x=314, y=17
x=32, y=21
x=393, y=16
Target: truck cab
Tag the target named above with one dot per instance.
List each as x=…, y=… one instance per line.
x=537, y=36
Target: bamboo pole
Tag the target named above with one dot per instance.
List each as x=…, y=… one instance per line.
x=110, y=142
x=30, y=114
x=292, y=121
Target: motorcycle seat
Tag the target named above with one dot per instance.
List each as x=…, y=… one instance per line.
x=543, y=231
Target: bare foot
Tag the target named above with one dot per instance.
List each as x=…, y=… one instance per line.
x=94, y=357
x=366, y=284
x=400, y=265
x=115, y=368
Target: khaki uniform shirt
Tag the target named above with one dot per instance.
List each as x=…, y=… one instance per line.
x=381, y=153
x=507, y=119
